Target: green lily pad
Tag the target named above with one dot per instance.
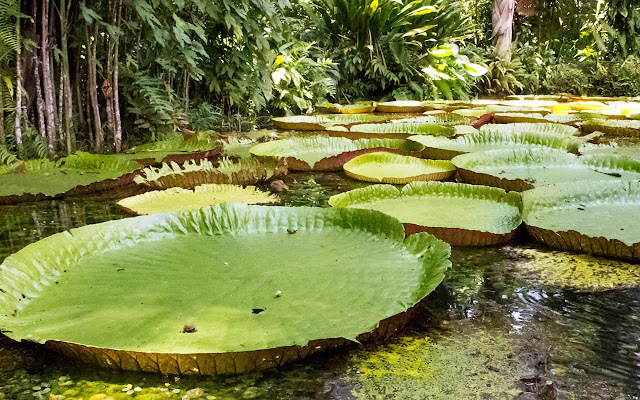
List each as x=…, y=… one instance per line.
x=632, y=151
x=597, y=217
x=397, y=169
x=237, y=147
x=328, y=153
x=361, y=107
x=612, y=127
x=440, y=118
x=513, y=117
x=459, y=214
x=445, y=149
x=195, y=173
x=394, y=130
x=321, y=121
x=178, y=150
x=401, y=106
x=79, y=173
x=179, y=199
x=523, y=169
x=539, y=128
x=220, y=290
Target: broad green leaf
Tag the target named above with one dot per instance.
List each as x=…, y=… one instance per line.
x=127, y=289
x=394, y=168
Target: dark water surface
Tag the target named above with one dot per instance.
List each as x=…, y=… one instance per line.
x=501, y=326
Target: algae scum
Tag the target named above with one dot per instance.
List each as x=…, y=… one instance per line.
x=508, y=322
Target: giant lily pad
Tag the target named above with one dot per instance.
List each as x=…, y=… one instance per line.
x=361, y=107
x=440, y=118
x=177, y=150
x=393, y=168
x=225, y=289
x=196, y=173
x=328, y=153
x=179, y=199
x=401, y=106
x=523, y=169
x=76, y=174
x=613, y=126
x=631, y=151
x=394, y=130
x=463, y=215
x=539, y=128
x=445, y=149
x=598, y=217
x=321, y=121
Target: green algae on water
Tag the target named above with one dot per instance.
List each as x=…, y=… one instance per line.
x=580, y=272
x=478, y=364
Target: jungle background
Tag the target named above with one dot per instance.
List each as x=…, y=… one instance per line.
x=104, y=75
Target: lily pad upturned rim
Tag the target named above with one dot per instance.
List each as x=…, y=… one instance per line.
x=453, y=236
x=34, y=268
x=393, y=130
x=466, y=162
x=440, y=148
x=570, y=194
x=319, y=122
x=535, y=127
x=448, y=170
x=401, y=106
x=80, y=161
x=344, y=149
x=198, y=172
x=135, y=204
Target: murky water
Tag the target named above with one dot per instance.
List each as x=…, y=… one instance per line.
x=500, y=326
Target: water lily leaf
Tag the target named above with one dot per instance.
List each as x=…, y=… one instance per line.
x=177, y=150
x=394, y=130
x=179, y=199
x=523, y=169
x=460, y=214
x=587, y=105
x=196, y=173
x=540, y=128
x=393, y=168
x=597, y=217
x=401, y=106
x=612, y=127
x=631, y=151
x=321, y=121
x=76, y=174
x=513, y=117
x=442, y=118
x=356, y=108
x=328, y=153
x=440, y=148
x=195, y=292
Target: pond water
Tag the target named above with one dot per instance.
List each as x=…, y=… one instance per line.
x=515, y=321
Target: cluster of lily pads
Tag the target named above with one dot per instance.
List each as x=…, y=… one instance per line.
x=200, y=284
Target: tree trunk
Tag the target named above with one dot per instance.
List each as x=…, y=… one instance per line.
x=502, y=19
x=65, y=76
x=18, y=87
x=117, y=138
x=92, y=82
x=39, y=100
x=49, y=100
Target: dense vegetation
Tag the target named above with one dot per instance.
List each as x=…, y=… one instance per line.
x=107, y=74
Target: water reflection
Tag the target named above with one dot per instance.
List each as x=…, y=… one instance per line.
x=586, y=343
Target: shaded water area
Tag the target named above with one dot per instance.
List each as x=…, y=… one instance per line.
x=516, y=321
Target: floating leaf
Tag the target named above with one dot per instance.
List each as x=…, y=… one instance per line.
x=79, y=292
x=179, y=199
x=328, y=153
x=597, y=217
x=463, y=215
x=393, y=168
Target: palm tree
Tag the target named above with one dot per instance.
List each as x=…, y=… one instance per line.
x=502, y=19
